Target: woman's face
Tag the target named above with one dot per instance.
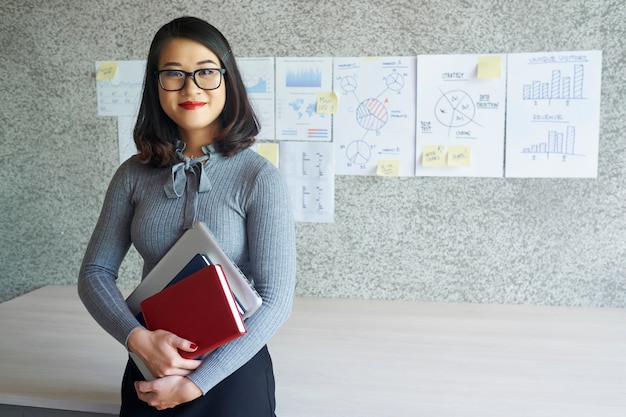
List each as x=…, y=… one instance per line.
x=193, y=109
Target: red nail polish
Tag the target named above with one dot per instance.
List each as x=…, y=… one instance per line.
x=193, y=346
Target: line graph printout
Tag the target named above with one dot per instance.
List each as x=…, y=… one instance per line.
x=375, y=120
x=308, y=169
x=298, y=82
x=553, y=114
x=120, y=95
x=460, y=115
x=258, y=78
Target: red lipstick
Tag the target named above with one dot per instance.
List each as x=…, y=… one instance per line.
x=191, y=105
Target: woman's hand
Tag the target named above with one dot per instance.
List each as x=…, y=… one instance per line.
x=158, y=350
x=167, y=392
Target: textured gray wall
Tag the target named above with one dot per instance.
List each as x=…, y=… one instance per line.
x=396, y=238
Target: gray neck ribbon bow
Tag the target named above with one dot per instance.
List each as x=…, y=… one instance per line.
x=188, y=178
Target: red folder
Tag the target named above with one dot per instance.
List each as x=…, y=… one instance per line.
x=201, y=308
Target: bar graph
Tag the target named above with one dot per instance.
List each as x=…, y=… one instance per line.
x=308, y=77
x=557, y=142
x=560, y=86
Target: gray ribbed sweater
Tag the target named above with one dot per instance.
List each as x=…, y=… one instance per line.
x=248, y=210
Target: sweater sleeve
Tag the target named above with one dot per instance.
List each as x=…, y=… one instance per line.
x=272, y=254
x=107, y=247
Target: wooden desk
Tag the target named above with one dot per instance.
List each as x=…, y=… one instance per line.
x=55, y=356
x=349, y=358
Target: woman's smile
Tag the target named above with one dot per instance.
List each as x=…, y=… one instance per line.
x=192, y=105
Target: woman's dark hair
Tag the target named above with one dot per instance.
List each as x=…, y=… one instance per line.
x=156, y=134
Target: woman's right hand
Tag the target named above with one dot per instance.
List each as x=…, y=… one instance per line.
x=158, y=350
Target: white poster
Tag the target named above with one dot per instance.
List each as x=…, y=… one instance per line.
x=460, y=115
x=298, y=83
x=126, y=143
x=553, y=114
x=119, y=85
x=375, y=119
x=308, y=169
x=258, y=77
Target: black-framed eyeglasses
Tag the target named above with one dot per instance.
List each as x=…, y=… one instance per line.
x=205, y=78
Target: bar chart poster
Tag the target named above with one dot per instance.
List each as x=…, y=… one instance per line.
x=258, y=78
x=298, y=82
x=553, y=114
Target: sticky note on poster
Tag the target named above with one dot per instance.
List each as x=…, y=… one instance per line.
x=326, y=103
x=489, y=66
x=459, y=156
x=433, y=156
x=388, y=168
x=269, y=151
x=107, y=70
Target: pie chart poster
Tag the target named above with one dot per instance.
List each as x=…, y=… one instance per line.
x=461, y=102
x=375, y=120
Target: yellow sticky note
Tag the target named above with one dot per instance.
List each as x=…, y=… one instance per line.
x=388, y=168
x=459, y=156
x=489, y=66
x=326, y=102
x=269, y=151
x=106, y=70
x=433, y=156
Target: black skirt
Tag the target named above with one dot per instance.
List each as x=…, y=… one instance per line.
x=248, y=392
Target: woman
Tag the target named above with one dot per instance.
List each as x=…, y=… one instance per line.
x=193, y=132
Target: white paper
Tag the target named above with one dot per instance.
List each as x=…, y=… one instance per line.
x=375, y=120
x=308, y=169
x=455, y=108
x=126, y=143
x=553, y=114
x=298, y=80
x=121, y=95
x=258, y=77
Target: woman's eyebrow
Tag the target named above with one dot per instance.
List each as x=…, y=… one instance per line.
x=178, y=64
x=206, y=61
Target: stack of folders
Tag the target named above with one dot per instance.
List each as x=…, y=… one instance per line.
x=196, y=292
x=200, y=308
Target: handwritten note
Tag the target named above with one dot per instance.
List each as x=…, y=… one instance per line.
x=388, y=168
x=459, y=156
x=326, y=103
x=433, y=156
x=489, y=67
x=107, y=70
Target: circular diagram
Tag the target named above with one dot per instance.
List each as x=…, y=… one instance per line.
x=358, y=152
x=348, y=84
x=455, y=108
x=395, y=81
x=371, y=114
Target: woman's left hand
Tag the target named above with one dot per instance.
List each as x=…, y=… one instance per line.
x=167, y=392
